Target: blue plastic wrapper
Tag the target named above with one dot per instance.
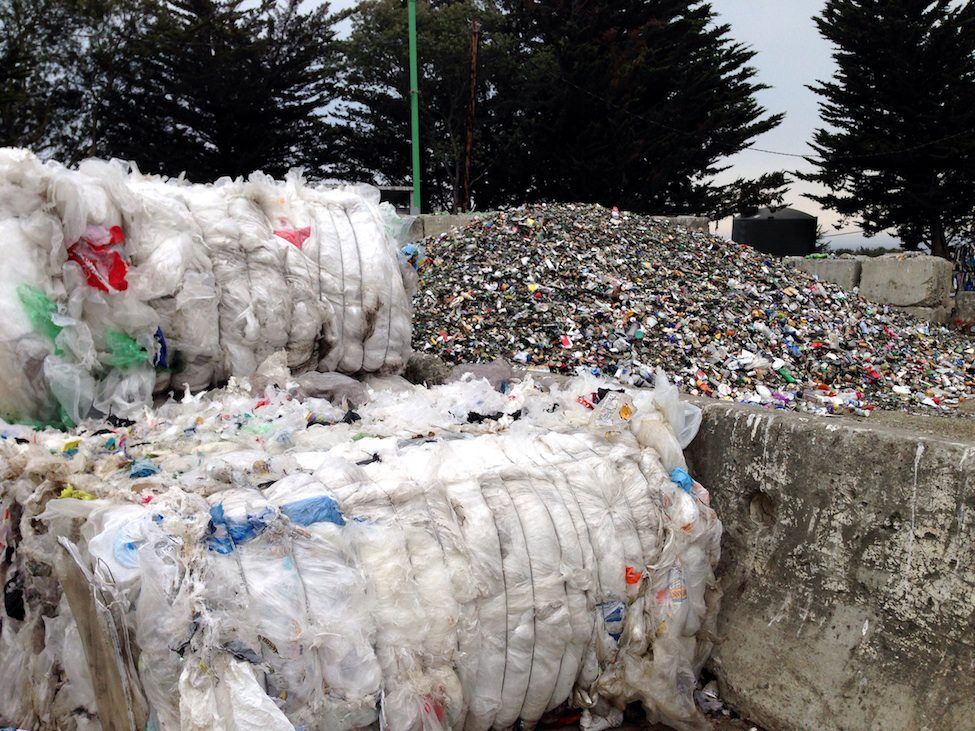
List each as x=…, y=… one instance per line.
x=162, y=357
x=614, y=616
x=226, y=533
x=321, y=509
x=682, y=479
x=143, y=468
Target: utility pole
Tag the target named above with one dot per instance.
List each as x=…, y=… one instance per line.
x=472, y=101
x=414, y=109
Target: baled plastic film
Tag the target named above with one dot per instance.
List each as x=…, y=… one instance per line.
x=227, y=697
x=338, y=616
x=297, y=234
x=210, y=280
x=277, y=563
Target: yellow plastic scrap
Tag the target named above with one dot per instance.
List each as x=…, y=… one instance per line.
x=71, y=445
x=75, y=493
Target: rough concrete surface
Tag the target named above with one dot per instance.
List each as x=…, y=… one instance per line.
x=426, y=225
x=918, y=281
x=842, y=272
x=416, y=229
x=848, y=567
x=442, y=223
x=940, y=315
x=965, y=306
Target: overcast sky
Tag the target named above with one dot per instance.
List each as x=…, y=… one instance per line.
x=791, y=54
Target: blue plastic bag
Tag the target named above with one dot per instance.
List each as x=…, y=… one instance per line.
x=321, y=509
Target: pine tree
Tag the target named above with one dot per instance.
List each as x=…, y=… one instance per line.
x=376, y=93
x=223, y=87
x=631, y=102
x=653, y=94
x=898, y=146
x=36, y=103
x=57, y=57
x=23, y=104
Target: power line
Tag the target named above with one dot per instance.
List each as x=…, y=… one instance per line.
x=885, y=153
x=810, y=158
x=752, y=148
x=844, y=233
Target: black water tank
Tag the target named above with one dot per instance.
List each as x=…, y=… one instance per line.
x=779, y=232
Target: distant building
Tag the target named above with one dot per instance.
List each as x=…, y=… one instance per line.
x=779, y=231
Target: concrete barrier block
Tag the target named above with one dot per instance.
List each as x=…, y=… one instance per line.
x=940, y=315
x=416, y=230
x=848, y=567
x=427, y=225
x=842, y=272
x=964, y=307
x=907, y=281
x=440, y=224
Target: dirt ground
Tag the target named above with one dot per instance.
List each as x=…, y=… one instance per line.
x=718, y=724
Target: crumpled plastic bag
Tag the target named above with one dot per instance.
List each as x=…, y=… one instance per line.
x=334, y=387
x=684, y=417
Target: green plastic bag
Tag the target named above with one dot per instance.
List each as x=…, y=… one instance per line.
x=39, y=310
x=124, y=352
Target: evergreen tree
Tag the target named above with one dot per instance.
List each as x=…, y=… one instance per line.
x=377, y=93
x=630, y=103
x=35, y=103
x=55, y=63
x=222, y=87
x=650, y=96
x=25, y=99
x=898, y=146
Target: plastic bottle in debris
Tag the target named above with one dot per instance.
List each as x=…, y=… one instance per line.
x=613, y=413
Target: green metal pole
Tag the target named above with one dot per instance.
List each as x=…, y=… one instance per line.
x=414, y=107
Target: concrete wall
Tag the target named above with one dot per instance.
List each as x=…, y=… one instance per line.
x=919, y=285
x=843, y=272
x=920, y=281
x=965, y=307
x=427, y=225
x=848, y=569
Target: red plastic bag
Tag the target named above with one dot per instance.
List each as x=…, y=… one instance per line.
x=296, y=236
x=99, y=254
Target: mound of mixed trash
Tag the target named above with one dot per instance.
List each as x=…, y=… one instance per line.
x=117, y=285
x=564, y=287
x=322, y=553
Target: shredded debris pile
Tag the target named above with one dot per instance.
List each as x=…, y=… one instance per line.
x=320, y=553
x=569, y=287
